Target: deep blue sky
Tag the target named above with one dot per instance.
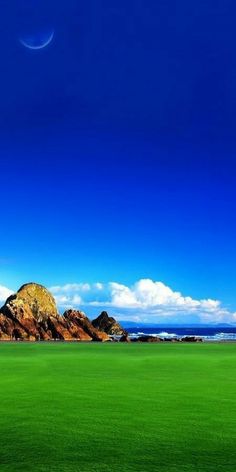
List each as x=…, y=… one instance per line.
x=118, y=144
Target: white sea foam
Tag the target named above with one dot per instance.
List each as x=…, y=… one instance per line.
x=217, y=337
x=164, y=334
x=225, y=336
x=220, y=337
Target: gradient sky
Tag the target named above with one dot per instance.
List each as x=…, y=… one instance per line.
x=117, y=145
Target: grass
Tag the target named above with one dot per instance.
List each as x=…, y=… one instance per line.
x=113, y=407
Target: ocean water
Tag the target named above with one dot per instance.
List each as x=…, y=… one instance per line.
x=207, y=333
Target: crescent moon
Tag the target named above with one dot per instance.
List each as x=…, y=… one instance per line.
x=29, y=43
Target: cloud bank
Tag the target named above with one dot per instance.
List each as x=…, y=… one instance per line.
x=144, y=301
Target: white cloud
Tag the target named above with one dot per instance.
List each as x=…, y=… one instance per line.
x=146, y=300
x=62, y=300
x=149, y=294
x=77, y=300
x=4, y=293
x=122, y=296
x=99, y=286
x=69, y=288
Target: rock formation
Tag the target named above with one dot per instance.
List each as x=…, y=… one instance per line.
x=109, y=325
x=31, y=314
x=192, y=339
x=147, y=339
x=31, y=301
x=80, y=321
x=125, y=339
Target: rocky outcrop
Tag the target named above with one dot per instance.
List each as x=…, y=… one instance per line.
x=148, y=339
x=155, y=339
x=191, y=339
x=172, y=340
x=125, y=339
x=32, y=301
x=79, y=319
x=109, y=325
x=31, y=315
x=7, y=327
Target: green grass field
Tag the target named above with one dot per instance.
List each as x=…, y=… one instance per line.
x=114, y=407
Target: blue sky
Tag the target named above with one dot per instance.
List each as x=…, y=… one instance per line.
x=117, y=147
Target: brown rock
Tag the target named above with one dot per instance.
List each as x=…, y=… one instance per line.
x=31, y=301
x=191, y=339
x=108, y=324
x=79, y=319
x=6, y=328
x=125, y=339
x=148, y=339
x=171, y=340
x=25, y=311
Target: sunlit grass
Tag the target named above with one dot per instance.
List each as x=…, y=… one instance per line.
x=116, y=407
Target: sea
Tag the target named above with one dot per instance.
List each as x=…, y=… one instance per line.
x=206, y=333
